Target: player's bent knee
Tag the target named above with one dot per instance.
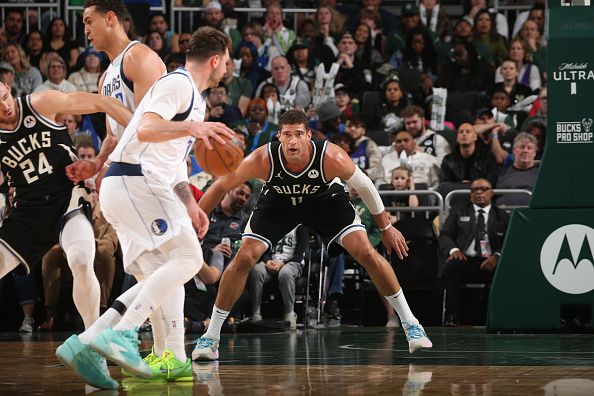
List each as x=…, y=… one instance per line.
x=80, y=260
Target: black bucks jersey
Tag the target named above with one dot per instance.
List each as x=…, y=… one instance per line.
x=307, y=198
x=34, y=156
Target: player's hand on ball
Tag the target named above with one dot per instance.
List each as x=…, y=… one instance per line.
x=393, y=239
x=81, y=170
x=210, y=130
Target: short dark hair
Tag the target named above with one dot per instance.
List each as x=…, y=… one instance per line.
x=411, y=110
x=293, y=117
x=207, y=42
x=84, y=143
x=118, y=7
x=19, y=11
x=358, y=121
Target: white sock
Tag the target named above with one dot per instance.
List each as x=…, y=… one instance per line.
x=173, y=313
x=111, y=316
x=159, y=331
x=217, y=319
x=398, y=301
x=78, y=242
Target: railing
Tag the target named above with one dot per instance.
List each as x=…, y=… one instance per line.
x=427, y=209
x=451, y=194
x=41, y=8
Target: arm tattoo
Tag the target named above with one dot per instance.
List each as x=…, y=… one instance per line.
x=183, y=192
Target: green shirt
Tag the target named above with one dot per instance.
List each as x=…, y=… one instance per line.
x=238, y=87
x=373, y=231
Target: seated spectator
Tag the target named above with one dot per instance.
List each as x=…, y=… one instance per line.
x=54, y=262
x=250, y=69
x=499, y=136
x=173, y=61
x=528, y=73
x=471, y=239
x=218, y=109
x=468, y=161
x=277, y=35
x=33, y=47
x=344, y=103
x=426, y=168
x=253, y=32
x=418, y=54
x=500, y=99
x=301, y=61
x=158, y=22
x=401, y=180
x=294, y=92
x=365, y=153
x=499, y=20
x=410, y=18
x=57, y=77
x=517, y=91
x=373, y=19
x=7, y=77
x=366, y=54
x=213, y=15
x=130, y=28
x=436, y=19
x=521, y=174
x=285, y=261
x=155, y=41
x=70, y=122
x=330, y=123
x=426, y=139
x=239, y=89
x=57, y=38
x=386, y=114
x=327, y=27
x=184, y=42
x=539, y=131
x=14, y=28
x=260, y=129
x=537, y=13
x=352, y=73
x=28, y=78
x=87, y=78
x=532, y=36
x=538, y=111
x=271, y=96
x=466, y=72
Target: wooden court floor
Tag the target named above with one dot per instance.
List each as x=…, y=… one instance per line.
x=344, y=361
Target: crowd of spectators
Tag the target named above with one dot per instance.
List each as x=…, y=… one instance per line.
x=382, y=85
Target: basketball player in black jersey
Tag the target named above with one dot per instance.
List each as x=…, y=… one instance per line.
x=301, y=188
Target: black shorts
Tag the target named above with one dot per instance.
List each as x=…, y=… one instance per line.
x=330, y=217
x=30, y=231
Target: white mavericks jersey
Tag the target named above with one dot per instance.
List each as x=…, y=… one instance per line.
x=173, y=97
x=116, y=84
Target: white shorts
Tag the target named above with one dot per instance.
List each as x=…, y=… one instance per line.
x=145, y=214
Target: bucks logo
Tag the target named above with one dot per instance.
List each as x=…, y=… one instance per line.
x=566, y=259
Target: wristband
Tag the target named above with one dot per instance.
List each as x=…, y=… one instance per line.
x=385, y=228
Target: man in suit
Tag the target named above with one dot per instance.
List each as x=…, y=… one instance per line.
x=472, y=238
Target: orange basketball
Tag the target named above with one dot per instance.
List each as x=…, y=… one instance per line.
x=222, y=159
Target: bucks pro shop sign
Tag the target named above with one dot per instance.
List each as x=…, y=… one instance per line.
x=566, y=259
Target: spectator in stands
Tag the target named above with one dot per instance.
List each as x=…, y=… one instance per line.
x=27, y=77
x=301, y=61
x=499, y=20
x=471, y=239
x=365, y=152
x=294, y=92
x=247, y=52
x=418, y=54
x=426, y=139
x=228, y=220
x=130, y=28
x=214, y=16
x=57, y=38
x=277, y=35
x=254, y=33
x=536, y=13
x=327, y=29
x=468, y=161
x=260, y=129
x=466, y=72
x=369, y=57
x=285, y=261
x=34, y=47
x=462, y=32
x=175, y=60
x=184, y=42
x=158, y=22
x=239, y=88
x=343, y=101
x=539, y=131
x=500, y=99
x=522, y=173
x=528, y=73
x=388, y=19
x=484, y=32
x=7, y=77
x=339, y=20
x=495, y=134
x=352, y=74
x=410, y=19
x=426, y=168
x=517, y=91
x=330, y=123
x=57, y=77
x=155, y=41
x=54, y=261
x=87, y=78
x=70, y=122
x=218, y=108
x=538, y=112
x=435, y=18
x=531, y=35
x=3, y=39
x=401, y=179
x=372, y=19
x=13, y=26
x=271, y=95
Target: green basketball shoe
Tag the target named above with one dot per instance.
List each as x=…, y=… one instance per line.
x=121, y=347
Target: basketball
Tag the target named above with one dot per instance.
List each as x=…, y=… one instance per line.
x=222, y=159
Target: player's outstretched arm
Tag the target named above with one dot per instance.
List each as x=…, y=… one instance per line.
x=254, y=166
x=50, y=103
x=153, y=128
x=338, y=164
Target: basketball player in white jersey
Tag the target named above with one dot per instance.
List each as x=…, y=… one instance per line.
x=138, y=200
x=133, y=69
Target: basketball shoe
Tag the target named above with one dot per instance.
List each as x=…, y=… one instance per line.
x=149, y=359
x=174, y=370
x=206, y=349
x=121, y=347
x=86, y=363
x=416, y=337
